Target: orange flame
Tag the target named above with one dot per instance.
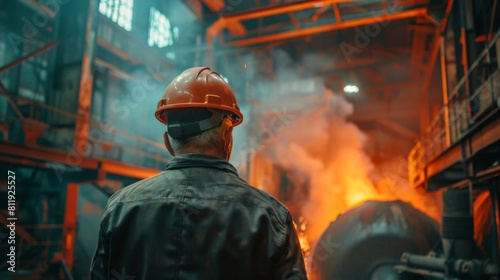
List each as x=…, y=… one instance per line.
x=330, y=151
x=301, y=232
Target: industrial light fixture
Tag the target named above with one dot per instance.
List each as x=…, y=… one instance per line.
x=351, y=89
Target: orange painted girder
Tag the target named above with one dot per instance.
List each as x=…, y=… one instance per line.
x=329, y=27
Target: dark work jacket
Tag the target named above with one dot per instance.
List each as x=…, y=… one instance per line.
x=196, y=220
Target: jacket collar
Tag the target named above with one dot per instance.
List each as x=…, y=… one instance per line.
x=200, y=160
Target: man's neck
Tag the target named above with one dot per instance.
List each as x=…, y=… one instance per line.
x=209, y=152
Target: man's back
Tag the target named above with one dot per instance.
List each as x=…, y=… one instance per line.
x=196, y=220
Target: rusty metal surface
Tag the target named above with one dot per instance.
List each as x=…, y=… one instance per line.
x=86, y=78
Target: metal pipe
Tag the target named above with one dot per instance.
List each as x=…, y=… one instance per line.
x=473, y=269
x=8, y=96
x=438, y=264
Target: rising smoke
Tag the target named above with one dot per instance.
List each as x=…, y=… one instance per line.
x=329, y=149
x=317, y=145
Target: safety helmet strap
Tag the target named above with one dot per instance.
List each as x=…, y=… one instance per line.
x=182, y=130
x=179, y=130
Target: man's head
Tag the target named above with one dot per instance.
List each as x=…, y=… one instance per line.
x=200, y=111
x=187, y=136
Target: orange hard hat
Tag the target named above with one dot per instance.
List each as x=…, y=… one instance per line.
x=199, y=87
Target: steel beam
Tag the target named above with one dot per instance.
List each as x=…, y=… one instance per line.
x=294, y=20
x=120, y=72
x=28, y=56
x=22, y=161
x=10, y=99
x=41, y=157
x=121, y=54
x=282, y=9
x=479, y=138
x=320, y=11
x=47, y=155
x=329, y=27
x=215, y=5
x=127, y=170
x=266, y=11
x=444, y=84
x=336, y=11
x=39, y=7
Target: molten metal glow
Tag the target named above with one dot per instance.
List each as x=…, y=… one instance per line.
x=326, y=153
x=304, y=242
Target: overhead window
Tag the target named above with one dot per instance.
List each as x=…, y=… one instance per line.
x=119, y=11
x=161, y=32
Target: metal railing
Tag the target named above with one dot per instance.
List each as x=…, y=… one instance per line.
x=459, y=115
x=35, y=246
x=57, y=127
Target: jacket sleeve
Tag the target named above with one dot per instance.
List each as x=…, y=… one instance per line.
x=290, y=264
x=99, y=267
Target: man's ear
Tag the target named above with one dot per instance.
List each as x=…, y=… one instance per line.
x=167, y=144
x=227, y=139
x=227, y=129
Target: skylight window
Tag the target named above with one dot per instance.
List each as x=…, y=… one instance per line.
x=119, y=11
x=161, y=32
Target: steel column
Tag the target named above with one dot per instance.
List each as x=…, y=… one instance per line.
x=425, y=113
x=444, y=84
x=69, y=230
x=425, y=118
x=86, y=79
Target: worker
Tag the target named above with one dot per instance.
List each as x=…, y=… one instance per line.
x=197, y=219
